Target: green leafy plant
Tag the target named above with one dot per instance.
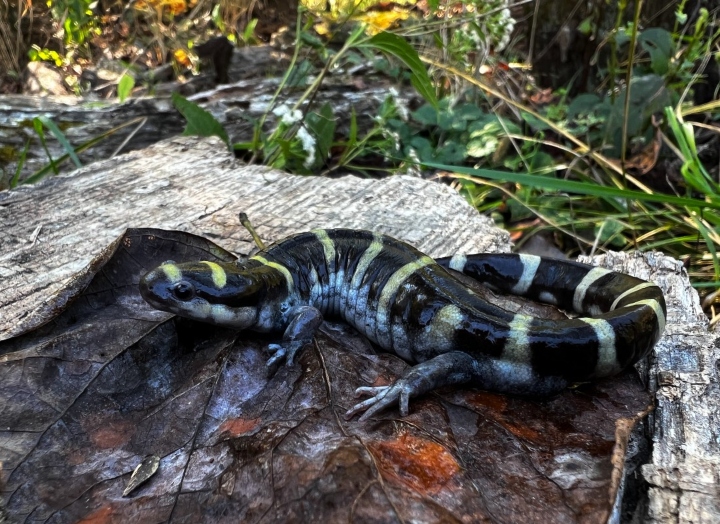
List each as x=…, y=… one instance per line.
x=658, y=78
x=125, y=87
x=77, y=19
x=600, y=120
x=581, y=190
x=36, y=54
x=302, y=137
x=199, y=121
x=466, y=33
x=381, y=141
x=450, y=133
x=74, y=24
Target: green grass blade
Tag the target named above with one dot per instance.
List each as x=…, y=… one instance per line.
x=571, y=186
x=41, y=173
x=705, y=284
x=709, y=244
x=38, y=126
x=692, y=169
x=16, y=178
x=61, y=138
x=352, y=136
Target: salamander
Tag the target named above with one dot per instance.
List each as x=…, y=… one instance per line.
x=411, y=305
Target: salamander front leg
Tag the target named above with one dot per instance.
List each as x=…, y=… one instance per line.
x=305, y=322
x=444, y=370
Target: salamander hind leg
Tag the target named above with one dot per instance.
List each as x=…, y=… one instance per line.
x=456, y=367
x=450, y=368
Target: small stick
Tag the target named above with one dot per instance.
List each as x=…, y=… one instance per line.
x=245, y=221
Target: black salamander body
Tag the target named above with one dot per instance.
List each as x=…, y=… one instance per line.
x=410, y=304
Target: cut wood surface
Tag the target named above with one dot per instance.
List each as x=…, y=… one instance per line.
x=52, y=231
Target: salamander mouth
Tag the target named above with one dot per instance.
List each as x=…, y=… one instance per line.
x=157, y=304
x=236, y=318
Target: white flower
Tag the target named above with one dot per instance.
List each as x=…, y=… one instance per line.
x=394, y=136
x=292, y=117
x=509, y=22
x=308, y=145
x=281, y=110
x=289, y=116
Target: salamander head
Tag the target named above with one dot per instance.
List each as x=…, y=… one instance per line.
x=210, y=292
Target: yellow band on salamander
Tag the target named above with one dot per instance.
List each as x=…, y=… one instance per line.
x=219, y=277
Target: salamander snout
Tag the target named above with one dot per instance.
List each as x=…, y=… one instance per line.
x=164, y=286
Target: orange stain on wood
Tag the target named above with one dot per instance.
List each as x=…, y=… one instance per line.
x=422, y=465
x=237, y=427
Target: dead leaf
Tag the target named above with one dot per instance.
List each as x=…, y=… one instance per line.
x=543, y=97
x=108, y=381
x=143, y=472
x=644, y=160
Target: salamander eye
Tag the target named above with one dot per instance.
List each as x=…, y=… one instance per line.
x=183, y=291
